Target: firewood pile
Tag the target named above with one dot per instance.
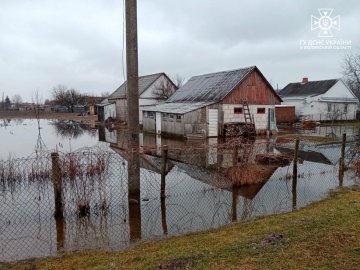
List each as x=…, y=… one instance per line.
x=273, y=159
x=239, y=129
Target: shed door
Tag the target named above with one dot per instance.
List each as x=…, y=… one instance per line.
x=158, y=122
x=213, y=123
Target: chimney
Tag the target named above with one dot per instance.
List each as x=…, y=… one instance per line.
x=305, y=80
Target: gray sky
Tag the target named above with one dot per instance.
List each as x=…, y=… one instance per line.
x=78, y=43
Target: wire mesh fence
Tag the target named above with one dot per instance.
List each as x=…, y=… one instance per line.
x=60, y=202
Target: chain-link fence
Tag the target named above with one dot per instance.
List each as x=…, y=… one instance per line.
x=54, y=202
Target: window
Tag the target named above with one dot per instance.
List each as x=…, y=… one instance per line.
x=238, y=110
x=345, y=108
x=145, y=115
x=260, y=110
x=178, y=118
x=151, y=114
x=163, y=116
x=171, y=117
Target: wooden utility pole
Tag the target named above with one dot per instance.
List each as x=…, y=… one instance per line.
x=132, y=97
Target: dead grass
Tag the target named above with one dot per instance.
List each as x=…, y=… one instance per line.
x=249, y=174
x=325, y=235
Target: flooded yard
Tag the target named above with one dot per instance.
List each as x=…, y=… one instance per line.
x=198, y=193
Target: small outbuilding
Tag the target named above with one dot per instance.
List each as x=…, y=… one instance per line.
x=207, y=104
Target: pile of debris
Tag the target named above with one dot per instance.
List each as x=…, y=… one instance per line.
x=273, y=159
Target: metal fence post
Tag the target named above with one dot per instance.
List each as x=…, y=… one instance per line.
x=342, y=160
x=58, y=186
x=295, y=174
x=163, y=171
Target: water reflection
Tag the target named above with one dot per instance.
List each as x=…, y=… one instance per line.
x=73, y=129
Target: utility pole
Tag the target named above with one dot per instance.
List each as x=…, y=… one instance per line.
x=132, y=97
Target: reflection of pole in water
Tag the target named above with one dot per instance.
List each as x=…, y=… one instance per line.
x=163, y=215
x=247, y=209
x=134, y=217
x=294, y=193
x=234, y=204
x=60, y=235
x=295, y=174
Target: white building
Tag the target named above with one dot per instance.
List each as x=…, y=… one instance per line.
x=321, y=100
x=147, y=86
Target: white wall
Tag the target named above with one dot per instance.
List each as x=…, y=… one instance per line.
x=298, y=103
x=110, y=111
x=261, y=120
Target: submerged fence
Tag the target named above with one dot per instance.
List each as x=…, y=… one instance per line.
x=54, y=202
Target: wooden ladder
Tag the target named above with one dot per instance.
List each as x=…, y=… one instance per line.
x=247, y=115
x=249, y=121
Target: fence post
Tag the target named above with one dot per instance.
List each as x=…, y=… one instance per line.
x=342, y=160
x=295, y=174
x=58, y=186
x=163, y=170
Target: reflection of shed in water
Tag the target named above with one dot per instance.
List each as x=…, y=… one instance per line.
x=322, y=153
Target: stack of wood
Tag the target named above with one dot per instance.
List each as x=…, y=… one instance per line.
x=273, y=159
x=240, y=129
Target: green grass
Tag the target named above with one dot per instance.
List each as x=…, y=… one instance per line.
x=324, y=235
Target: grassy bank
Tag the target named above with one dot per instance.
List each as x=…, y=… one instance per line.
x=324, y=235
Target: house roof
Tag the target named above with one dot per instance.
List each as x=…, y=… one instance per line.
x=312, y=88
x=144, y=83
x=210, y=87
x=176, y=107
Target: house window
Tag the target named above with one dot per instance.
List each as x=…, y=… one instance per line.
x=238, y=110
x=178, y=118
x=171, y=117
x=260, y=110
x=163, y=116
x=145, y=115
x=345, y=108
x=151, y=114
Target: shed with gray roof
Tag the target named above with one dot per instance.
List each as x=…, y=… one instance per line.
x=206, y=103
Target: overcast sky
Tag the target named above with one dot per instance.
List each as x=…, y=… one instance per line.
x=78, y=43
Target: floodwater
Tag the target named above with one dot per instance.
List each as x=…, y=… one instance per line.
x=21, y=137
x=196, y=197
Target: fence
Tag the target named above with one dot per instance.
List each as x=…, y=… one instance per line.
x=52, y=203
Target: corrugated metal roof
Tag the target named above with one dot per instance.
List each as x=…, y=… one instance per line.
x=312, y=88
x=210, y=87
x=176, y=107
x=144, y=83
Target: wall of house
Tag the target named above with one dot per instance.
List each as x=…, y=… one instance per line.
x=261, y=119
x=319, y=110
x=149, y=122
x=254, y=90
x=298, y=103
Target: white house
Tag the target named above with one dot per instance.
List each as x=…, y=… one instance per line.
x=321, y=100
x=147, y=86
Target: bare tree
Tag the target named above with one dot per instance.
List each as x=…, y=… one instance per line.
x=167, y=87
x=67, y=97
x=351, y=72
x=16, y=100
